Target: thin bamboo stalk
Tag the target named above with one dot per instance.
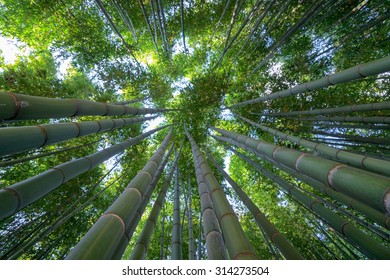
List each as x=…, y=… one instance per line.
x=357, y=72
x=58, y=151
x=104, y=236
x=236, y=240
x=200, y=251
x=355, y=138
x=142, y=244
x=176, y=228
x=373, y=120
x=115, y=29
x=344, y=109
x=343, y=178
x=16, y=106
x=369, y=163
x=23, y=138
x=285, y=247
x=19, y=195
x=148, y=23
x=191, y=244
x=162, y=235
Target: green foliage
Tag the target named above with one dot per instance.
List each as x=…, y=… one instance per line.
x=341, y=35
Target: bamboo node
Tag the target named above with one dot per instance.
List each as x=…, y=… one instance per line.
x=44, y=133
x=298, y=160
x=359, y=71
x=117, y=217
x=244, y=254
x=62, y=173
x=78, y=127
x=331, y=173
x=386, y=202
x=18, y=105
x=77, y=107
x=18, y=198
x=274, y=151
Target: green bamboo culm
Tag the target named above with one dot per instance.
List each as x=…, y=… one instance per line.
x=23, y=138
x=344, y=109
x=373, y=120
x=237, y=242
x=102, y=239
x=379, y=217
x=369, y=163
x=357, y=72
x=285, y=247
x=368, y=245
x=25, y=107
x=191, y=244
x=145, y=200
x=177, y=253
x=349, y=180
x=374, y=140
x=19, y=195
x=141, y=247
x=212, y=231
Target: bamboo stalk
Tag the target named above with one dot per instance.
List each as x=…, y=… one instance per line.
x=22, y=138
x=373, y=120
x=344, y=109
x=191, y=244
x=26, y=107
x=176, y=228
x=357, y=72
x=102, y=239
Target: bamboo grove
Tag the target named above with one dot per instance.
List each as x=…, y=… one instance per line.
x=228, y=130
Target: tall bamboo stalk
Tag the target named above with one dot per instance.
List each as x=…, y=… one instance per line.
x=357, y=72
x=191, y=244
x=57, y=151
x=26, y=107
x=285, y=247
x=373, y=120
x=142, y=244
x=356, y=138
x=343, y=178
x=370, y=246
x=236, y=241
x=162, y=236
x=369, y=163
x=176, y=228
x=115, y=29
x=344, y=109
x=200, y=251
x=22, y=138
x=19, y=195
x=104, y=236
